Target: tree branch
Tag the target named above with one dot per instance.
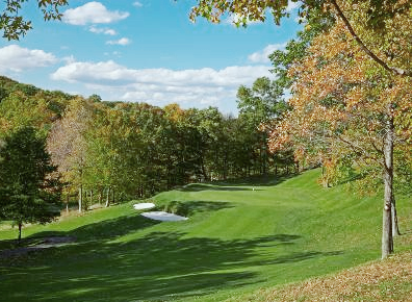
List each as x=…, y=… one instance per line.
x=376, y=148
x=395, y=70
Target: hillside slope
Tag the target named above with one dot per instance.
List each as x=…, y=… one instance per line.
x=388, y=280
x=240, y=237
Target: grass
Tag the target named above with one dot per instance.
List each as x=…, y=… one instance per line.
x=388, y=280
x=241, y=237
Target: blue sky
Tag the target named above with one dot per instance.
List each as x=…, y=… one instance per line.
x=143, y=51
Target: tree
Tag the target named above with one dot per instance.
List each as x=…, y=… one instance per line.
x=259, y=105
x=68, y=145
x=379, y=15
x=29, y=187
x=346, y=110
x=14, y=25
x=381, y=31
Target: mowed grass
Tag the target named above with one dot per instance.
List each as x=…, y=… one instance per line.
x=240, y=238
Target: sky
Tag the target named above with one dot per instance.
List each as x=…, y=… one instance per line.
x=144, y=51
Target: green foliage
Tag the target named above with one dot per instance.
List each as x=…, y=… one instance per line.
x=118, y=151
x=29, y=191
x=14, y=24
x=177, y=207
x=3, y=93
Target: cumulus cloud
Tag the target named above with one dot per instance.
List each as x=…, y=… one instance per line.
x=17, y=59
x=122, y=41
x=92, y=13
x=105, y=31
x=263, y=55
x=137, y=4
x=292, y=6
x=161, y=86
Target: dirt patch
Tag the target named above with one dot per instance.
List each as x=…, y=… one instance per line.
x=45, y=243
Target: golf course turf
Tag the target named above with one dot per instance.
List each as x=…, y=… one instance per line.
x=240, y=237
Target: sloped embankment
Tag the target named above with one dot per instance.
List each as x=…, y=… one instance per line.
x=389, y=280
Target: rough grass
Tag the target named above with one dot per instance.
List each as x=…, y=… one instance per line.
x=240, y=237
x=389, y=280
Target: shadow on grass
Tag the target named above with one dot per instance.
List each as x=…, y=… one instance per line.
x=161, y=266
x=110, y=229
x=236, y=184
x=202, y=187
x=190, y=208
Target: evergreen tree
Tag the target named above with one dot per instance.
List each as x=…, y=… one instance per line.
x=29, y=188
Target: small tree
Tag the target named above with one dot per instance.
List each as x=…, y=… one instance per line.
x=29, y=185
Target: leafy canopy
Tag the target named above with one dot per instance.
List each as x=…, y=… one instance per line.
x=29, y=191
x=14, y=24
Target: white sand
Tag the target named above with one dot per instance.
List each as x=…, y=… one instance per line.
x=144, y=206
x=163, y=216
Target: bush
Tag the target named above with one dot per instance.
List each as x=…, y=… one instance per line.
x=177, y=207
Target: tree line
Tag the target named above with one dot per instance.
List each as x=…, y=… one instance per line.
x=96, y=152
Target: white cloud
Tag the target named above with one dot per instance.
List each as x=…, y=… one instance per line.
x=105, y=31
x=114, y=53
x=92, y=13
x=193, y=87
x=263, y=55
x=122, y=41
x=234, y=18
x=137, y=4
x=17, y=59
x=292, y=6
x=69, y=59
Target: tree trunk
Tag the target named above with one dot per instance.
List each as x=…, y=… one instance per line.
x=107, y=198
x=19, y=237
x=100, y=196
x=205, y=176
x=395, y=225
x=67, y=203
x=80, y=198
x=387, y=239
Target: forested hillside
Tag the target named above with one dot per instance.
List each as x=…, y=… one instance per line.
x=114, y=151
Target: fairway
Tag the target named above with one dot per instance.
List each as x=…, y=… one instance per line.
x=239, y=238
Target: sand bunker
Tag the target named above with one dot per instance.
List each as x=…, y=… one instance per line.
x=144, y=206
x=163, y=216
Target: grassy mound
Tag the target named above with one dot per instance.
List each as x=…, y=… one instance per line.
x=240, y=237
x=388, y=280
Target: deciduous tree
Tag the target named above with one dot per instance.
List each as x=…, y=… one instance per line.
x=346, y=109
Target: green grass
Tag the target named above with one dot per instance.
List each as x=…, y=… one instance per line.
x=237, y=240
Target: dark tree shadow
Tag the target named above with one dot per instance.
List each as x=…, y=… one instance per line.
x=258, y=180
x=203, y=187
x=109, y=229
x=236, y=184
x=160, y=266
x=198, y=206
